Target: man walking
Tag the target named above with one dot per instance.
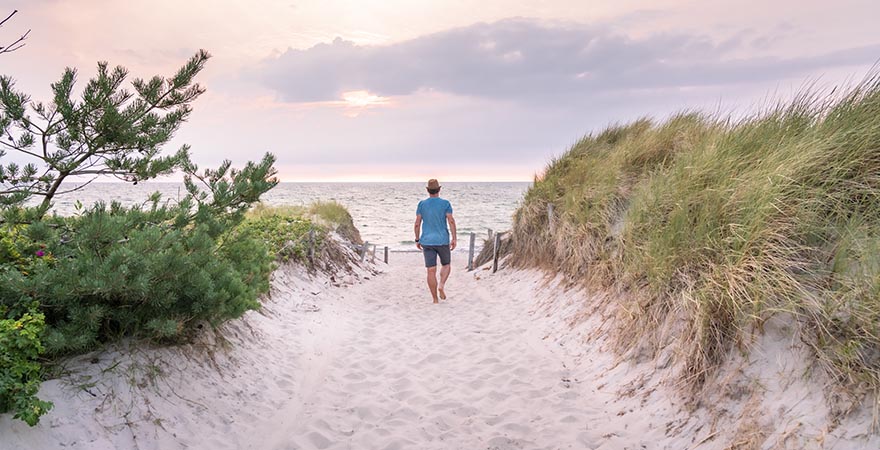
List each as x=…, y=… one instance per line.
x=432, y=237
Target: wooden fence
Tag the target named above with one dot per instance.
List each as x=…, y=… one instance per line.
x=366, y=249
x=494, y=237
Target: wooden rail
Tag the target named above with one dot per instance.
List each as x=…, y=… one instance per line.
x=494, y=237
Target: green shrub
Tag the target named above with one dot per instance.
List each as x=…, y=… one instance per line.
x=287, y=236
x=129, y=272
x=9, y=249
x=285, y=228
x=18, y=250
x=19, y=368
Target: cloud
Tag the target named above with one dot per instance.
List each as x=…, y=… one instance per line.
x=526, y=59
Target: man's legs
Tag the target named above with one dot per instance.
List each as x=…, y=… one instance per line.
x=430, y=254
x=445, y=258
x=444, y=274
x=432, y=282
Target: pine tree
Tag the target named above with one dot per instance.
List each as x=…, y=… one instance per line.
x=107, y=131
x=149, y=270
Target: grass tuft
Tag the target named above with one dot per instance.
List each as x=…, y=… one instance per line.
x=336, y=216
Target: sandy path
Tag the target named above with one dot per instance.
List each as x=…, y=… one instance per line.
x=377, y=366
x=510, y=361
x=393, y=371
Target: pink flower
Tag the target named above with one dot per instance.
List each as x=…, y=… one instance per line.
x=41, y=253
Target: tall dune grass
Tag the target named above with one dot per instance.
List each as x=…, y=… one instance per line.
x=720, y=224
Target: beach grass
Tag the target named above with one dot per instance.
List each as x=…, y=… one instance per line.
x=286, y=228
x=719, y=224
x=330, y=211
x=336, y=215
x=261, y=210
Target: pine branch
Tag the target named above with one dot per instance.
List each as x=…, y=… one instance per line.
x=19, y=149
x=110, y=131
x=78, y=188
x=18, y=43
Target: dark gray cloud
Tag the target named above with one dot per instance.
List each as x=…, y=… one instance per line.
x=522, y=59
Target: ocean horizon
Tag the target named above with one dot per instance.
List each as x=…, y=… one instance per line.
x=383, y=212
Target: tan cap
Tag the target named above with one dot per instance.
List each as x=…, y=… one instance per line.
x=433, y=184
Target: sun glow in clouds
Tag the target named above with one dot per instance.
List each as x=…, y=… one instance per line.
x=363, y=99
x=349, y=104
x=357, y=102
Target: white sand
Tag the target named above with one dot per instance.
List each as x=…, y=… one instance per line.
x=377, y=366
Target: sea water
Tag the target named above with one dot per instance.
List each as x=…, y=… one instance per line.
x=383, y=212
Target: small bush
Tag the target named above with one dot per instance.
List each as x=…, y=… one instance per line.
x=126, y=272
x=285, y=232
x=19, y=369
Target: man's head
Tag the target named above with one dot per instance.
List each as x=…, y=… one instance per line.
x=433, y=187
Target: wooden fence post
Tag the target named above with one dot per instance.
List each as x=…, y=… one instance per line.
x=311, y=245
x=374, y=255
x=496, y=252
x=386, y=254
x=364, y=250
x=471, y=252
x=490, y=233
x=551, y=219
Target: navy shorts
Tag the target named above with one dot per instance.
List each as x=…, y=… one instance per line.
x=431, y=253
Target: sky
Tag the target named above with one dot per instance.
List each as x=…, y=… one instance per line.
x=405, y=90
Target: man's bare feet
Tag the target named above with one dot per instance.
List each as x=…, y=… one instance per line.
x=435, y=300
x=442, y=293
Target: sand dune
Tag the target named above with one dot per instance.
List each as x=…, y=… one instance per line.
x=372, y=364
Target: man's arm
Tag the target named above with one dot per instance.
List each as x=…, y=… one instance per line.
x=452, y=231
x=418, y=230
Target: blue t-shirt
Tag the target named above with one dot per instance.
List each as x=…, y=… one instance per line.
x=433, y=211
